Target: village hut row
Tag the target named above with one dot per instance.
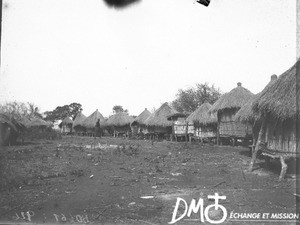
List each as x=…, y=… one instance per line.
x=13, y=128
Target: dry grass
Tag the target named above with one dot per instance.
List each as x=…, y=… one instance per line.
x=141, y=118
x=202, y=115
x=159, y=117
x=279, y=99
x=91, y=120
x=236, y=98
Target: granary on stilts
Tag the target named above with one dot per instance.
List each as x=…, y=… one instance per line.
x=278, y=109
x=204, y=122
x=120, y=124
x=246, y=114
x=138, y=125
x=91, y=121
x=157, y=123
x=8, y=130
x=66, y=125
x=78, y=127
x=180, y=126
x=226, y=107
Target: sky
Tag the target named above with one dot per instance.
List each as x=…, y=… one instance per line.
x=56, y=52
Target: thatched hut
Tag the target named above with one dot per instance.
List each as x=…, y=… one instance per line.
x=180, y=126
x=248, y=116
x=78, y=126
x=204, y=122
x=277, y=107
x=138, y=125
x=226, y=107
x=8, y=130
x=38, y=122
x=66, y=125
x=120, y=123
x=90, y=122
x=38, y=128
x=157, y=123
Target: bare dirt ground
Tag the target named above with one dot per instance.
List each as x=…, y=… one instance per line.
x=78, y=180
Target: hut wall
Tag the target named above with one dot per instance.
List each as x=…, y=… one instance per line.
x=66, y=128
x=205, y=131
x=122, y=129
x=281, y=136
x=228, y=127
x=191, y=128
x=167, y=130
x=134, y=129
x=4, y=134
x=179, y=128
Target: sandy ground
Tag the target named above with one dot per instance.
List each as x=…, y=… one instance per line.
x=82, y=180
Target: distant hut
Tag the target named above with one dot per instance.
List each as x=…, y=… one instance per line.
x=180, y=126
x=226, y=107
x=120, y=123
x=248, y=116
x=157, y=123
x=90, y=122
x=204, y=122
x=78, y=126
x=279, y=115
x=66, y=125
x=38, y=123
x=38, y=128
x=8, y=130
x=138, y=125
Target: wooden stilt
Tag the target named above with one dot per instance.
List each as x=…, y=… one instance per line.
x=259, y=140
x=218, y=133
x=283, y=168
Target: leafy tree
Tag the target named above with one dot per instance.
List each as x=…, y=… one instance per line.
x=190, y=99
x=75, y=108
x=61, y=112
x=21, y=109
x=118, y=109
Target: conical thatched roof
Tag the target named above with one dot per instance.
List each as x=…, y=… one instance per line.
x=236, y=98
x=92, y=119
x=202, y=115
x=141, y=118
x=79, y=119
x=38, y=122
x=5, y=118
x=67, y=120
x=159, y=117
x=279, y=99
x=119, y=119
x=246, y=113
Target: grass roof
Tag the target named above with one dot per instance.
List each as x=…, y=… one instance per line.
x=38, y=122
x=80, y=117
x=140, y=119
x=246, y=112
x=202, y=115
x=279, y=99
x=159, y=117
x=236, y=98
x=92, y=119
x=119, y=119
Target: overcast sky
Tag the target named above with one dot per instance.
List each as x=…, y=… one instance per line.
x=55, y=52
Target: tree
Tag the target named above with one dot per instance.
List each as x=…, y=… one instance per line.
x=61, y=112
x=21, y=109
x=190, y=99
x=118, y=109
